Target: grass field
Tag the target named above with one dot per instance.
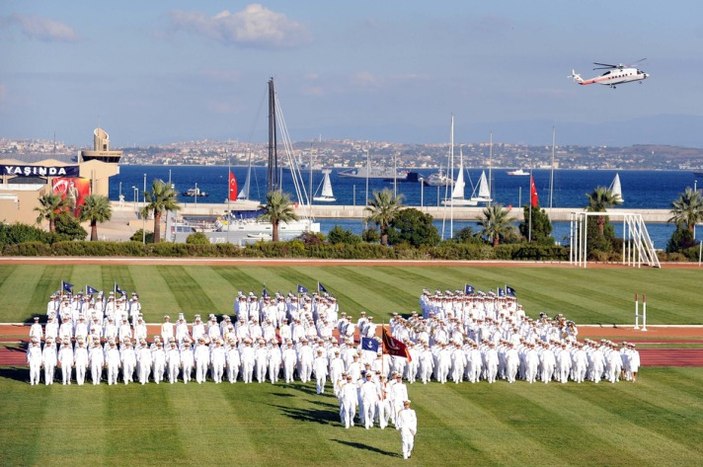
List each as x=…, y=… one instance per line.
x=586, y=296
x=657, y=421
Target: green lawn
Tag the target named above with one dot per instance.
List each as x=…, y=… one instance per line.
x=586, y=296
x=657, y=421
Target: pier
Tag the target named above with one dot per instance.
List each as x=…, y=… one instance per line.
x=437, y=212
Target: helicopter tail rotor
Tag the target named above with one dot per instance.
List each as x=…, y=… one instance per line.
x=575, y=76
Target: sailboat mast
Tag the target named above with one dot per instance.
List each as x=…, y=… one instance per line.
x=551, y=174
x=273, y=180
x=490, y=169
x=451, y=205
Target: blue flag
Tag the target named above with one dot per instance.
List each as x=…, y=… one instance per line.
x=67, y=287
x=469, y=289
x=90, y=290
x=264, y=292
x=302, y=289
x=119, y=291
x=369, y=343
x=501, y=292
x=321, y=288
x=510, y=291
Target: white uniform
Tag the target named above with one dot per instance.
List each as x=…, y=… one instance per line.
x=407, y=424
x=80, y=359
x=96, y=357
x=34, y=358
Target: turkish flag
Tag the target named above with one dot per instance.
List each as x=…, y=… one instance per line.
x=534, y=199
x=232, y=187
x=393, y=346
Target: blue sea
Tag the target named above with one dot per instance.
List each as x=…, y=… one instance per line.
x=641, y=189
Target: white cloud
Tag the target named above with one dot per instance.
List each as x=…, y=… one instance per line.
x=254, y=26
x=40, y=28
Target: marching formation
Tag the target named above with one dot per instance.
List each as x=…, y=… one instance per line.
x=458, y=337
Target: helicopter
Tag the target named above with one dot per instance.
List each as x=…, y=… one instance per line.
x=616, y=74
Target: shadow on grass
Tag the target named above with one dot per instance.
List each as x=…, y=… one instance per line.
x=321, y=416
x=366, y=447
x=17, y=373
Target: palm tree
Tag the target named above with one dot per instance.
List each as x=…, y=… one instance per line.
x=277, y=209
x=161, y=198
x=600, y=200
x=96, y=208
x=495, y=223
x=382, y=210
x=687, y=210
x=50, y=207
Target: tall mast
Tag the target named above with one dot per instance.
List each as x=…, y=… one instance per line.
x=273, y=180
x=551, y=174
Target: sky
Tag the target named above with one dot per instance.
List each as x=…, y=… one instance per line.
x=165, y=71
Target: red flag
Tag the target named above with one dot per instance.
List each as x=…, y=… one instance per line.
x=393, y=346
x=232, y=187
x=534, y=199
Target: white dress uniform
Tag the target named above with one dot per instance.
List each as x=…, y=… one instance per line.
x=80, y=358
x=407, y=424
x=66, y=362
x=96, y=357
x=34, y=358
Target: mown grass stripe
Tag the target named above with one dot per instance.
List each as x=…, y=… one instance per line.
x=191, y=297
x=140, y=426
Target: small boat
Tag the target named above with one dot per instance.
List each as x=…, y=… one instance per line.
x=457, y=198
x=483, y=192
x=195, y=192
x=438, y=179
x=518, y=173
x=615, y=187
x=326, y=196
x=383, y=173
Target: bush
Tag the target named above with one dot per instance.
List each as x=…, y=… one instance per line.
x=11, y=234
x=138, y=235
x=27, y=249
x=341, y=235
x=197, y=238
x=69, y=227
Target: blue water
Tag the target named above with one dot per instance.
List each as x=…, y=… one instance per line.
x=641, y=189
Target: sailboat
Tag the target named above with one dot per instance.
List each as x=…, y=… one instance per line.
x=457, y=198
x=326, y=196
x=239, y=203
x=615, y=187
x=482, y=193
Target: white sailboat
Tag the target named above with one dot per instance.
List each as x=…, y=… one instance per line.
x=482, y=194
x=326, y=195
x=457, y=198
x=615, y=187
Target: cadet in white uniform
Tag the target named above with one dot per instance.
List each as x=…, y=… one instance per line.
x=407, y=424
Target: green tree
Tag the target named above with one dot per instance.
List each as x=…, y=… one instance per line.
x=687, y=210
x=341, y=235
x=466, y=235
x=382, y=209
x=50, y=206
x=414, y=227
x=68, y=227
x=495, y=224
x=139, y=234
x=277, y=209
x=160, y=199
x=197, y=238
x=96, y=209
x=681, y=239
x=541, y=226
x=600, y=200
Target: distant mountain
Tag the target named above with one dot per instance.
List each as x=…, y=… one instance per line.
x=675, y=130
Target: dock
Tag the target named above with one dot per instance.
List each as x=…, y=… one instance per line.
x=437, y=212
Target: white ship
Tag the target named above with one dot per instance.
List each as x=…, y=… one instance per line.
x=326, y=195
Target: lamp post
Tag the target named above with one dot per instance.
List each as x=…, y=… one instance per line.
x=144, y=216
x=422, y=191
x=135, y=191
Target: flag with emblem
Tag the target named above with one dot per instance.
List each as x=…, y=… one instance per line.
x=393, y=346
x=369, y=343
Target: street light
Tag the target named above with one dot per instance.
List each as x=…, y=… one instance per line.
x=135, y=190
x=143, y=216
x=422, y=191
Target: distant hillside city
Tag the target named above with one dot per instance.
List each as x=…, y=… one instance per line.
x=350, y=153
